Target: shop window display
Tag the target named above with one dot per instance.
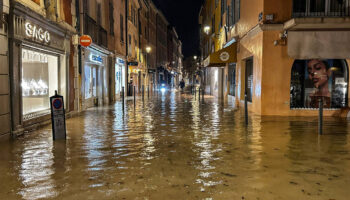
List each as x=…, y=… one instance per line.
x=316, y=78
x=39, y=80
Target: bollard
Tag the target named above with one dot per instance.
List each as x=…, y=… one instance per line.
x=246, y=108
x=320, y=116
x=199, y=94
x=123, y=100
x=195, y=93
x=148, y=92
x=134, y=96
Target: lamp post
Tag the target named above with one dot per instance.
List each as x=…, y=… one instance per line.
x=148, y=50
x=206, y=29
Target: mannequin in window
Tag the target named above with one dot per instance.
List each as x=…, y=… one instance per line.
x=319, y=73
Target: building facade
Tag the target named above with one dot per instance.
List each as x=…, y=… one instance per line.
x=284, y=56
x=152, y=44
x=162, y=49
x=5, y=117
x=39, y=55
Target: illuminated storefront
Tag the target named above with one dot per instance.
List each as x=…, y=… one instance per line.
x=95, y=92
x=39, y=80
x=38, y=56
x=119, y=75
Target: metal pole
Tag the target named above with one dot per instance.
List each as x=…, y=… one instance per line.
x=320, y=116
x=246, y=108
x=123, y=98
x=148, y=91
x=195, y=93
x=199, y=94
x=134, y=96
x=143, y=92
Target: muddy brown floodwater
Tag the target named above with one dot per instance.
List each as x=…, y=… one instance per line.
x=174, y=147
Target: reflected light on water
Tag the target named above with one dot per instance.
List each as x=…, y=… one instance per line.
x=36, y=170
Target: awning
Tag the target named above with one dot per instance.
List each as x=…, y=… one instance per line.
x=222, y=57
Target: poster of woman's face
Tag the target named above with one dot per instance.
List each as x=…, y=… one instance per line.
x=316, y=79
x=319, y=74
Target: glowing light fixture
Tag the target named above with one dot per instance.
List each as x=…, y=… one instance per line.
x=148, y=49
x=195, y=57
x=207, y=29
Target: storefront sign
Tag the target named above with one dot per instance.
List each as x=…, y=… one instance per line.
x=133, y=63
x=96, y=58
x=37, y=33
x=85, y=40
x=120, y=61
x=58, y=117
x=224, y=56
x=151, y=70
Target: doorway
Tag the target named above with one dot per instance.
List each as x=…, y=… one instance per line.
x=249, y=79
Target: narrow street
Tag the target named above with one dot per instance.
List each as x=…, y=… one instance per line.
x=173, y=146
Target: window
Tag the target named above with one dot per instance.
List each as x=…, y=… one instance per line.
x=237, y=10
x=317, y=5
x=99, y=14
x=111, y=18
x=320, y=8
x=316, y=78
x=213, y=24
x=86, y=7
x=299, y=6
x=232, y=79
x=39, y=81
x=121, y=28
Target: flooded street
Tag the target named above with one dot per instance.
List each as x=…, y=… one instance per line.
x=175, y=147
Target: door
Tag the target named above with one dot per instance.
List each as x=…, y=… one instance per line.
x=232, y=79
x=249, y=79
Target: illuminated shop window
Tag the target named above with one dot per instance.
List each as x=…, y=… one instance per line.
x=314, y=79
x=39, y=80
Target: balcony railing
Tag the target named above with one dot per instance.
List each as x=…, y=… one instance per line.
x=96, y=32
x=321, y=8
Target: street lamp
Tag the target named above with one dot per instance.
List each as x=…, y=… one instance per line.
x=206, y=29
x=195, y=57
x=148, y=49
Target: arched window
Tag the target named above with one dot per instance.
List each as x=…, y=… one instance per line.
x=319, y=78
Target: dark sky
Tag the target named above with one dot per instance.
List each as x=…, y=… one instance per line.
x=183, y=15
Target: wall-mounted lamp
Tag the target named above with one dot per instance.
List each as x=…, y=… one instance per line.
x=148, y=49
x=282, y=39
x=206, y=29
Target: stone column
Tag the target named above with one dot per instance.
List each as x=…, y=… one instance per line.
x=4, y=82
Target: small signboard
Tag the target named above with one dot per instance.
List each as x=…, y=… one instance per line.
x=58, y=118
x=133, y=63
x=151, y=71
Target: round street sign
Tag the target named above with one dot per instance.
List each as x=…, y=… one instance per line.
x=224, y=56
x=85, y=40
x=57, y=104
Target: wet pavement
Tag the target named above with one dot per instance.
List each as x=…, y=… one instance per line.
x=175, y=147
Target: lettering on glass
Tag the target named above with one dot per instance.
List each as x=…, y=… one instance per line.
x=37, y=33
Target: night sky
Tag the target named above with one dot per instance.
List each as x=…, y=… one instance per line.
x=183, y=15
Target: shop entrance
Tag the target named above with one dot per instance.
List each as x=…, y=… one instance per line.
x=232, y=78
x=249, y=79
x=91, y=85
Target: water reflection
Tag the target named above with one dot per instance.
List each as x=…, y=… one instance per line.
x=172, y=146
x=36, y=170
